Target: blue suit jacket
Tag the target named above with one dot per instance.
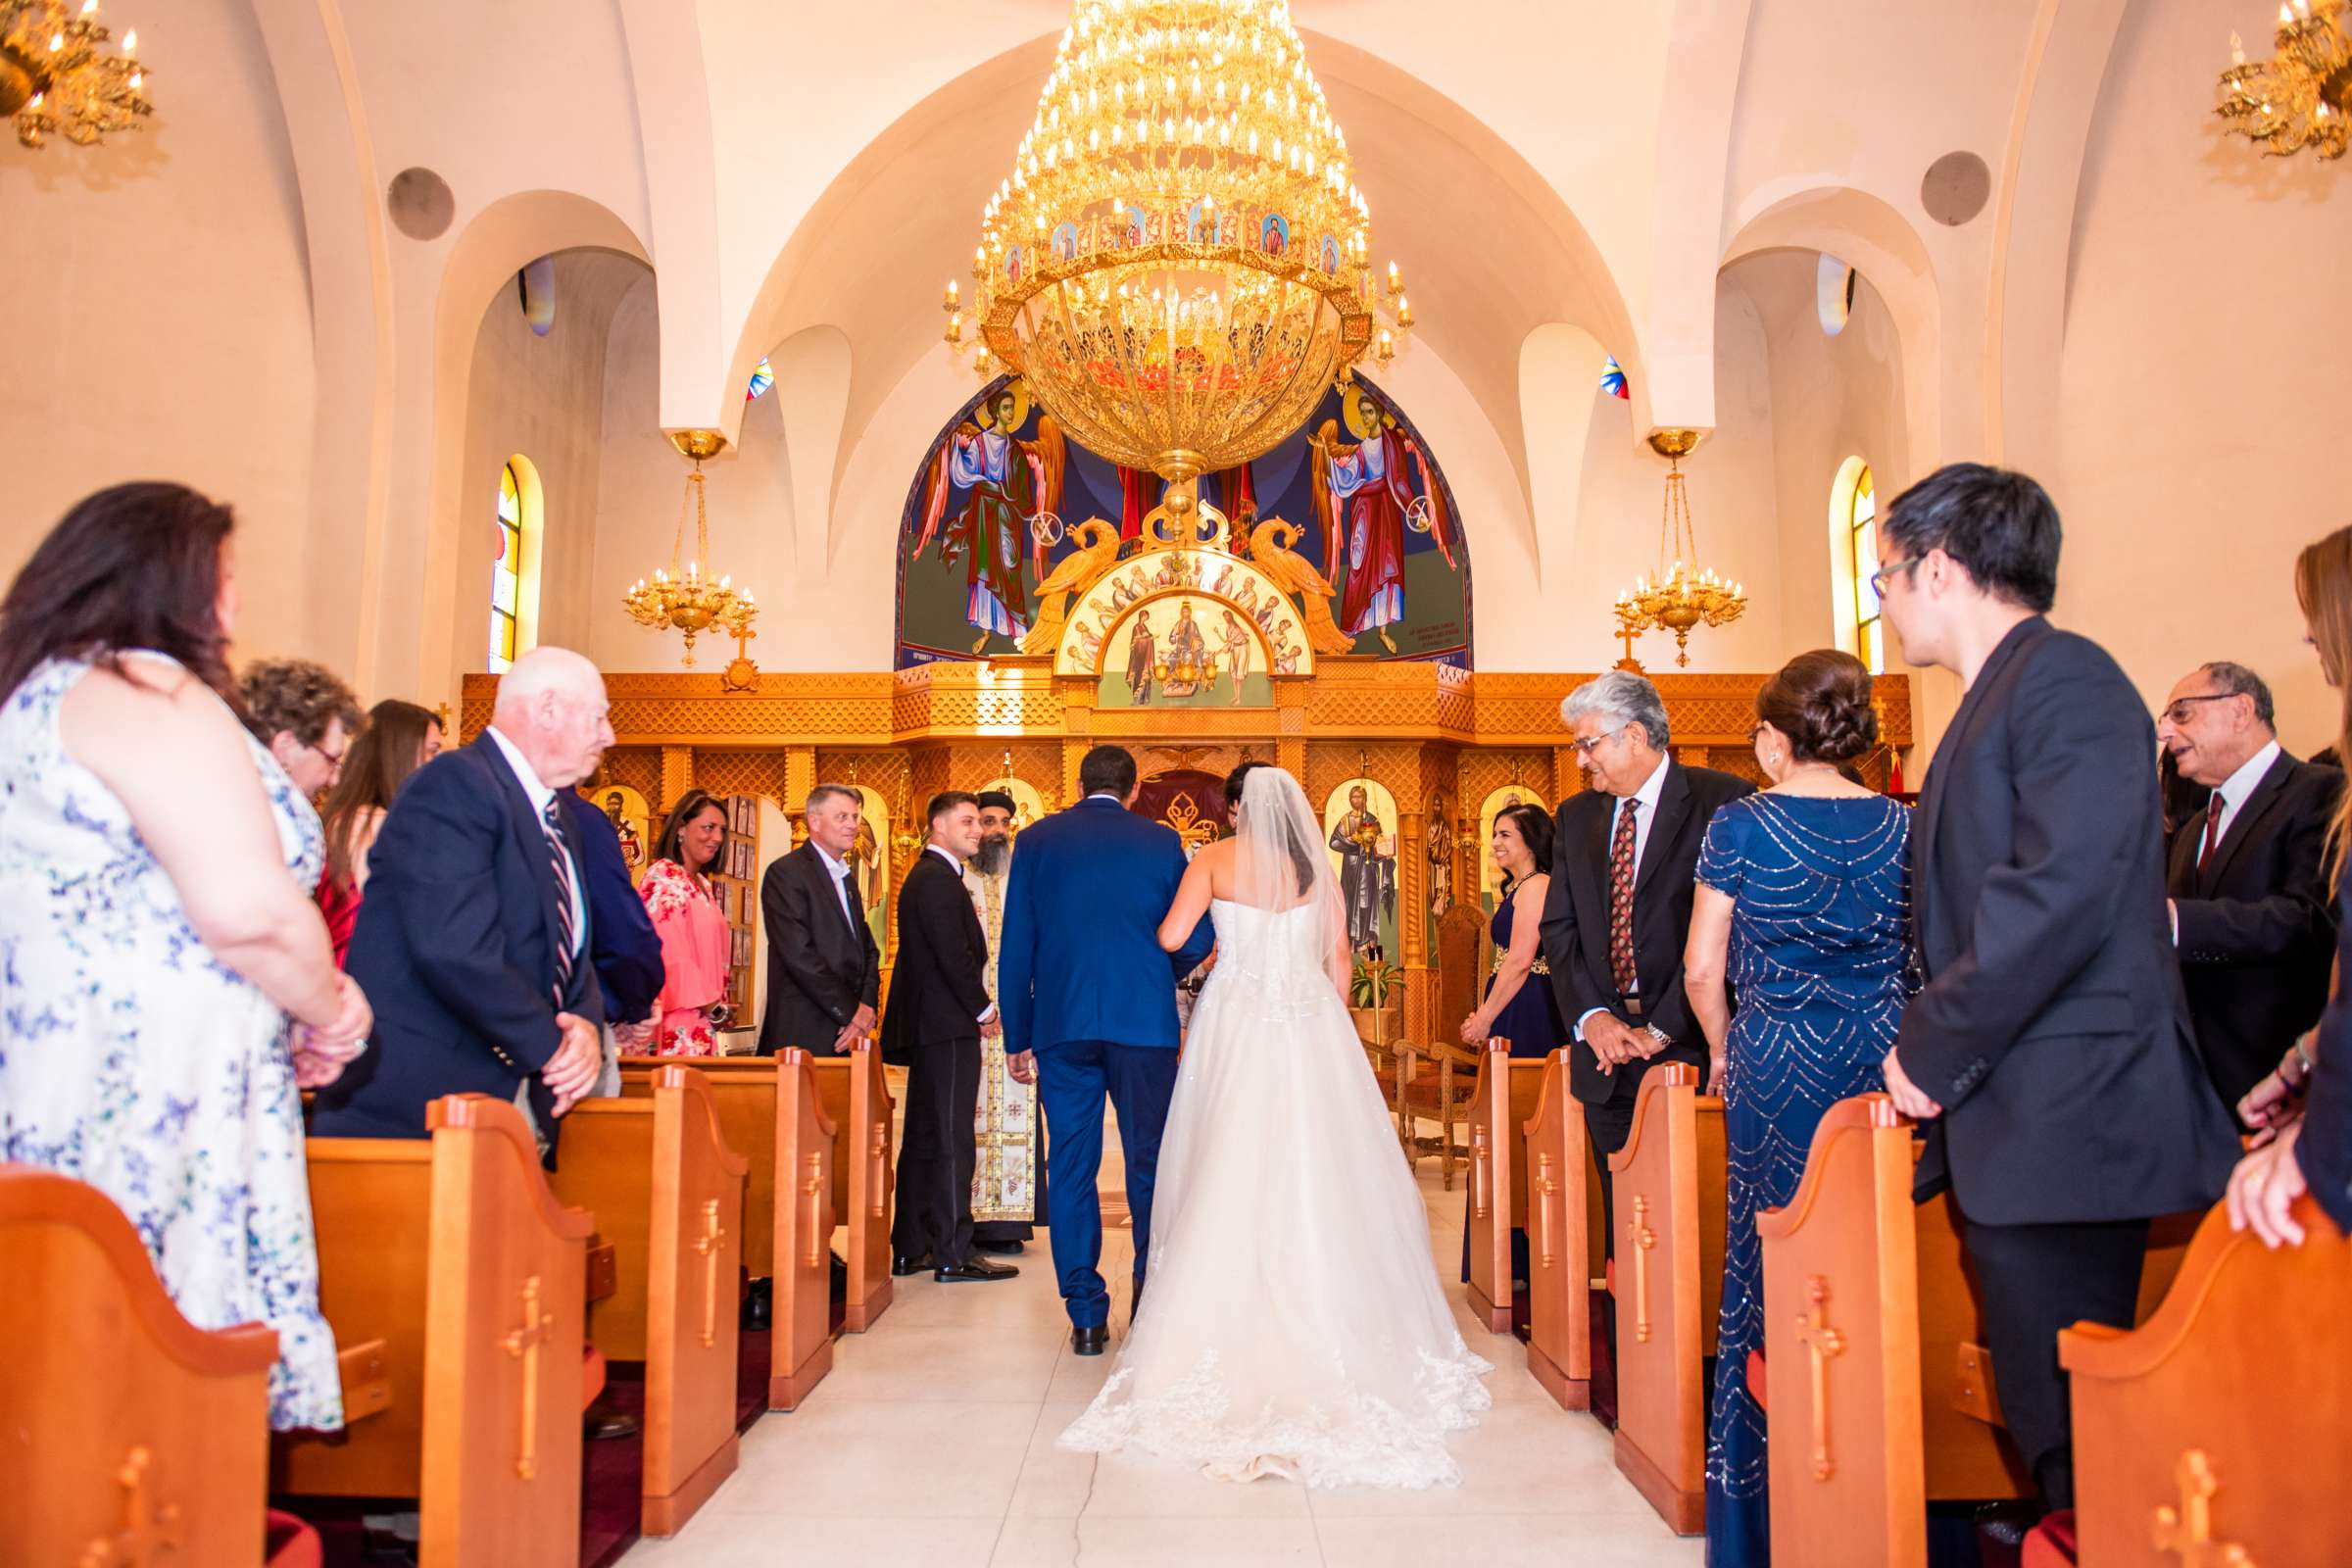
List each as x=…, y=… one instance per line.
x=626, y=949
x=1080, y=955
x=456, y=948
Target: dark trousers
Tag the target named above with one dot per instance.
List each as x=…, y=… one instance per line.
x=2035, y=1280
x=1608, y=1124
x=935, y=1158
x=1073, y=1079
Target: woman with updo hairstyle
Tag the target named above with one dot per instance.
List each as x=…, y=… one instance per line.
x=1804, y=909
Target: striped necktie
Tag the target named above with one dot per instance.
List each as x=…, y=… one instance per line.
x=560, y=855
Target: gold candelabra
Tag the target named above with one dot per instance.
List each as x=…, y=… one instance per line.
x=57, y=75
x=2298, y=98
x=1178, y=263
x=1683, y=596
x=691, y=601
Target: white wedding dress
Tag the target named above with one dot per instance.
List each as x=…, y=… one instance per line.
x=1294, y=1323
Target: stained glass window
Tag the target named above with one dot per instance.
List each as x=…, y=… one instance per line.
x=762, y=379
x=506, y=570
x=1612, y=378
x=1862, y=531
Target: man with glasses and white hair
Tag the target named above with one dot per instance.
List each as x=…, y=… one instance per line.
x=2252, y=922
x=1624, y=857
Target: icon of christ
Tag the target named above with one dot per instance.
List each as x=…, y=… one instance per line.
x=1004, y=482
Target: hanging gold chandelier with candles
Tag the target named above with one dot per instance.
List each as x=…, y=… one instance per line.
x=57, y=75
x=2296, y=99
x=1178, y=263
x=692, y=601
x=1684, y=596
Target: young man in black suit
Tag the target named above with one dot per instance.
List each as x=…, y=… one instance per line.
x=939, y=1010
x=824, y=973
x=1624, y=853
x=2051, y=1052
x=2252, y=916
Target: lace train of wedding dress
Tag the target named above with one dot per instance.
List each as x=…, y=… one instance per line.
x=1294, y=1323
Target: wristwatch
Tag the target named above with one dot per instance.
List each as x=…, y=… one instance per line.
x=1665, y=1040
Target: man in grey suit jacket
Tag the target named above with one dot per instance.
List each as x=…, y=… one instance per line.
x=2050, y=1052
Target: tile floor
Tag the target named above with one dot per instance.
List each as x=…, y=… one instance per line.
x=932, y=1443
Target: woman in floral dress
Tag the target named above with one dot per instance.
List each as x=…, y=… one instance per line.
x=683, y=904
x=156, y=926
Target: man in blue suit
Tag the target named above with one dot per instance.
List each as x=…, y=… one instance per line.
x=1089, y=1007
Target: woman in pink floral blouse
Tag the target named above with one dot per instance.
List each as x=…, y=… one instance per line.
x=686, y=912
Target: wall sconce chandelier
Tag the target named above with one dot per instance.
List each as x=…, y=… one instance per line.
x=2298, y=98
x=56, y=77
x=693, y=603
x=1683, y=596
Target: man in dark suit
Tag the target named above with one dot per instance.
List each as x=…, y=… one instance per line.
x=475, y=934
x=622, y=943
x=2050, y=1051
x=1090, y=1010
x=824, y=973
x=2252, y=919
x=939, y=1010
x=1624, y=853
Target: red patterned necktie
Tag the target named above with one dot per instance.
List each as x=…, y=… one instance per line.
x=1621, y=900
x=2212, y=829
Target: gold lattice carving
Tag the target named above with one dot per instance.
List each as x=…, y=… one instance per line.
x=742, y=773
x=1396, y=765
x=639, y=767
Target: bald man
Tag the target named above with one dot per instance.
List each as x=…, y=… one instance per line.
x=476, y=928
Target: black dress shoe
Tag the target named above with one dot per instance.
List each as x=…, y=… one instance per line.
x=1089, y=1341
x=1002, y=1249
x=903, y=1264
x=973, y=1270
x=604, y=1424
x=758, y=1305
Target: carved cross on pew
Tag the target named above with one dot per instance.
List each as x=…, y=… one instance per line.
x=525, y=1342
x=1826, y=1343
x=813, y=1189
x=146, y=1529
x=707, y=1246
x=1546, y=1187
x=1637, y=1231
x=2187, y=1532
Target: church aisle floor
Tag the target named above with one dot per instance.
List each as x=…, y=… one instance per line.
x=932, y=1442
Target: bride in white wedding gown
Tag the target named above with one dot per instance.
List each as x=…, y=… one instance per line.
x=1294, y=1323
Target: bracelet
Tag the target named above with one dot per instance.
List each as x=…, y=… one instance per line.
x=2304, y=1056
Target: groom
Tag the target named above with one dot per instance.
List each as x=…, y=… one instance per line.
x=1089, y=1007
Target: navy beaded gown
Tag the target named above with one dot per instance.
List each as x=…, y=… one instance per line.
x=1821, y=932
x=1531, y=1022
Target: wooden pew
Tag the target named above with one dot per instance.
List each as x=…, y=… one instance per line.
x=856, y=1109
x=1669, y=1179
x=453, y=1253
x=1564, y=1240
x=2212, y=1428
x=131, y=1433
x=668, y=1193
x=1882, y=1399
x=1500, y=1109
x=802, y=1300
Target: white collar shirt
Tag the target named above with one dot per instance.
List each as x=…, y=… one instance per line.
x=835, y=872
x=1646, y=810
x=2236, y=789
x=541, y=797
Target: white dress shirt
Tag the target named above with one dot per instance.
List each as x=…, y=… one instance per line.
x=2231, y=796
x=1645, y=800
x=956, y=865
x=541, y=797
x=835, y=871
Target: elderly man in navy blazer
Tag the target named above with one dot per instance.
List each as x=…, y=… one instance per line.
x=1089, y=1007
x=476, y=930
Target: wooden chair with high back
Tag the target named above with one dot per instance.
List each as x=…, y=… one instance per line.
x=138, y=1437
x=2201, y=1436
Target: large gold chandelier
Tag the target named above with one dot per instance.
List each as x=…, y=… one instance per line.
x=1684, y=596
x=2297, y=99
x=692, y=601
x=1179, y=262
x=54, y=77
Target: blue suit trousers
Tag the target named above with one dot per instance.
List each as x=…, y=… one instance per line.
x=1073, y=1079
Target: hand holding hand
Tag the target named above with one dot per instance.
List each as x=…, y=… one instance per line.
x=1022, y=1065
x=994, y=1029
x=572, y=1070
x=1908, y=1097
x=1474, y=1030
x=314, y=1069
x=1607, y=1035
x=2269, y=1107
x=861, y=1022
x=347, y=1035
x=2263, y=1188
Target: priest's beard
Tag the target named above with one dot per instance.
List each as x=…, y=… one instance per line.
x=995, y=852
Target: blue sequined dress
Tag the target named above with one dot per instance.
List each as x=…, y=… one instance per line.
x=1819, y=933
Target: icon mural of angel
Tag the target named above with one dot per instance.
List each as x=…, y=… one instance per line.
x=1365, y=502
x=997, y=481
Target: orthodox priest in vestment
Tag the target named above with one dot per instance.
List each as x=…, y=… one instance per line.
x=1008, y=1176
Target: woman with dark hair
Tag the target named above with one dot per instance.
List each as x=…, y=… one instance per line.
x=1803, y=905
x=1519, y=1006
x=400, y=738
x=683, y=904
x=170, y=988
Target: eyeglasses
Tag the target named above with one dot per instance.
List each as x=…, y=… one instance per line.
x=1584, y=748
x=332, y=759
x=1879, y=578
x=2178, y=715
